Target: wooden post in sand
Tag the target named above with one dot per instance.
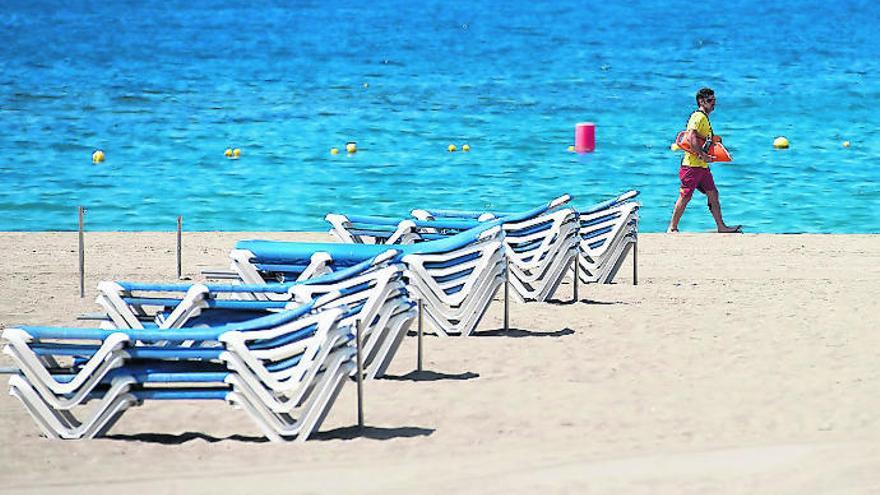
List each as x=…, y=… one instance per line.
x=360, y=375
x=419, y=357
x=179, y=236
x=636, y=262
x=82, y=254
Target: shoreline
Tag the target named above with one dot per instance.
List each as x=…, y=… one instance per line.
x=742, y=363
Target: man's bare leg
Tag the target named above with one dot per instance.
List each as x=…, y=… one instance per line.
x=677, y=212
x=715, y=208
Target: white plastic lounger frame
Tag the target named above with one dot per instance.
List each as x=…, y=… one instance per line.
x=457, y=312
x=375, y=291
x=540, y=247
x=118, y=348
x=345, y=229
x=540, y=252
x=606, y=236
x=270, y=397
x=456, y=285
x=116, y=297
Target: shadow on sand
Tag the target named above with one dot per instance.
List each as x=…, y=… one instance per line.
x=431, y=376
x=520, y=332
x=372, y=432
x=172, y=439
x=567, y=302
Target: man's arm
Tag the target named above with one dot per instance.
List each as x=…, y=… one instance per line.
x=696, y=143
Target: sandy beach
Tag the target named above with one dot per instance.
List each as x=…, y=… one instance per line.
x=739, y=364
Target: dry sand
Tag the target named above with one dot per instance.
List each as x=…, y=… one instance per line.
x=739, y=364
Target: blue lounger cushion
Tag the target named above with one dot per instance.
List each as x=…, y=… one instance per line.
x=243, y=305
x=510, y=217
x=373, y=220
x=182, y=394
x=282, y=252
x=188, y=393
x=280, y=288
x=212, y=333
x=138, y=352
x=459, y=223
x=604, y=205
x=259, y=288
x=505, y=217
x=164, y=372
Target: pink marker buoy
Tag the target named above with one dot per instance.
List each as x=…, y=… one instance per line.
x=585, y=137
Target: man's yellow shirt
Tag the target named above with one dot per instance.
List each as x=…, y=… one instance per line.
x=699, y=123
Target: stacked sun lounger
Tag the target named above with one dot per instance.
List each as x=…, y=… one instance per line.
x=374, y=289
x=540, y=244
x=455, y=277
x=284, y=369
x=607, y=232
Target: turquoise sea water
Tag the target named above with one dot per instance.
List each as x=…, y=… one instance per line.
x=165, y=87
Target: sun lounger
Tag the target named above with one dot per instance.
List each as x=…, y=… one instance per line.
x=540, y=244
x=455, y=277
x=284, y=369
x=373, y=288
x=608, y=231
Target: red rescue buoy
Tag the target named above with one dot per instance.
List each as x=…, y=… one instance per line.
x=716, y=150
x=585, y=137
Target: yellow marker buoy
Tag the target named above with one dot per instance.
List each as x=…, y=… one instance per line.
x=97, y=156
x=846, y=144
x=780, y=143
x=571, y=148
x=465, y=147
x=236, y=153
x=334, y=151
x=451, y=148
x=351, y=147
x=228, y=153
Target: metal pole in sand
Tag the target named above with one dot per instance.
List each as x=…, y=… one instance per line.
x=179, y=237
x=506, y=294
x=577, y=267
x=360, y=375
x=419, y=357
x=636, y=262
x=82, y=255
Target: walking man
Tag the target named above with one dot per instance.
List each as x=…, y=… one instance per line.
x=694, y=172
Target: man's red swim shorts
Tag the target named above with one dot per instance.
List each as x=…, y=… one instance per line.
x=698, y=178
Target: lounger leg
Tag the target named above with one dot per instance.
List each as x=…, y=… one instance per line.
x=576, y=276
x=507, y=295
x=419, y=357
x=360, y=377
x=636, y=262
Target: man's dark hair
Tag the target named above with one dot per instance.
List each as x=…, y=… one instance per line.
x=704, y=93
